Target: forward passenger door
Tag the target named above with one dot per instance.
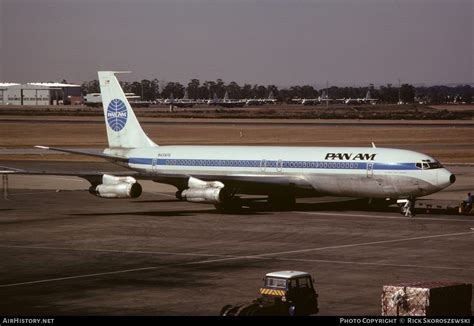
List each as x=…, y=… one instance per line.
x=370, y=170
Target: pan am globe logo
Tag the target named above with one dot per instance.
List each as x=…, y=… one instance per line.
x=117, y=114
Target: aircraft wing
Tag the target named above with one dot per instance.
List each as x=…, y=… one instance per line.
x=87, y=153
x=94, y=177
x=241, y=183
x=12, y=170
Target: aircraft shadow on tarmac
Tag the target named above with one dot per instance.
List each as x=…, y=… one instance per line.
x=155, y=201
x=250, y=207
x=363, y=205
x=171, y=213
x=259, y=207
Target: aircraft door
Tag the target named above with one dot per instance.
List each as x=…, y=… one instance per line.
x=263, y=165
x=154, y=165
x=279, y=165
x=370, y=170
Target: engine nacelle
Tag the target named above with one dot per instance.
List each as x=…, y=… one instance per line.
x=202, y=195
x=200, y=191
x=117, y=187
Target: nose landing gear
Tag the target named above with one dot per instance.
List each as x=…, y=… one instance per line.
x=407, y=206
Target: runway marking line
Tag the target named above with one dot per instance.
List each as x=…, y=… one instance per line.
x=371, y=243
x=230, y=258
x=34, y=193
x=324, y=261
x=117, y=251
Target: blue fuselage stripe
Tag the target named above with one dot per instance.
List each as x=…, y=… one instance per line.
x=272, y=164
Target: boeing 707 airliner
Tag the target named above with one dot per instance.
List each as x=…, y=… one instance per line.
x=220, y=174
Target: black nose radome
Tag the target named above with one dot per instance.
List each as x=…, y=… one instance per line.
x=452, y=178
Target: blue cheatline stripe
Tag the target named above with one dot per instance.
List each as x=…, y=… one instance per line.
x=272, y=164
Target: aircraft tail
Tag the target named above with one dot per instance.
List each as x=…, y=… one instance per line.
x=123, y=128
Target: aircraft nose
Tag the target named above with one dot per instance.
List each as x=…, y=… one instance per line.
x=445, y=178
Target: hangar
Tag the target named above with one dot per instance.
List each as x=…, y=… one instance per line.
x=39, y=93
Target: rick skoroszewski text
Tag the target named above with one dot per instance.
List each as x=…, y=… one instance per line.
x=406, y=320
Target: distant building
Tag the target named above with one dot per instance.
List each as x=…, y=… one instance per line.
x=39, y=94
x=3, y=91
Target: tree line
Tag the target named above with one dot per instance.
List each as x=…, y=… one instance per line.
x=151, y=90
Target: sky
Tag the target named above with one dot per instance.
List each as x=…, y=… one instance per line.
x=280, y=42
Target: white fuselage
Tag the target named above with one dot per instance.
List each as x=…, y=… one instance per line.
x=338, y=171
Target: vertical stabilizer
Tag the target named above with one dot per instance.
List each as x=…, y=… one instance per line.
x=123, y=129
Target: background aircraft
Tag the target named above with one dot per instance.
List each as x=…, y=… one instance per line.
x=231, y=103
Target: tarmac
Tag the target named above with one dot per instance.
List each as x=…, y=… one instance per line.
x=66, y=252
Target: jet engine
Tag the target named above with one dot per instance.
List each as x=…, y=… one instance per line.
x=117, y=187
x=203, y=192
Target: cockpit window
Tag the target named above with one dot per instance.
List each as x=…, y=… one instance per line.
x=435, y=165
x=427, y=165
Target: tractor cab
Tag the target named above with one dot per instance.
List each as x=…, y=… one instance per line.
x=295, y=288
x=285, y=293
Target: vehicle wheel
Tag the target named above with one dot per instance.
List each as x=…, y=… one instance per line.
x=292, y=310
x=250, y=311
x=225, y=310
